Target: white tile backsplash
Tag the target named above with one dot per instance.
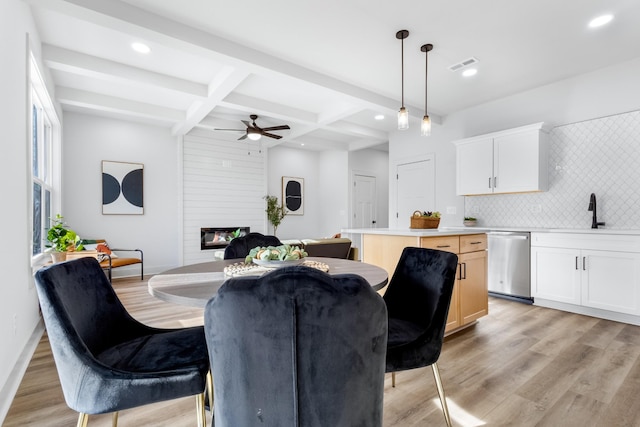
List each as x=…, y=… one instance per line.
x=600, y=156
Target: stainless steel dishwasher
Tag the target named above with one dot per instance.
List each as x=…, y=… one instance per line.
x=509, y=262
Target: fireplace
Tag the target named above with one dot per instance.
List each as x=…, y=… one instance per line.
x=219, y=237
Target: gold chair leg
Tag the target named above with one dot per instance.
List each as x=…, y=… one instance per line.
x=200, y=412
x=210, y=390
x=393, y=379
x=114, y=419
x=443, y=399
x=83, y=419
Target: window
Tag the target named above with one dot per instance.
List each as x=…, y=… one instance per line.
x=44, y=158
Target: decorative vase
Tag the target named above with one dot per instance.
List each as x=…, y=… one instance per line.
x=58, y=256
x=469, y=223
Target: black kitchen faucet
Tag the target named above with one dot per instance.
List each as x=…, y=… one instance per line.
x=592, y=208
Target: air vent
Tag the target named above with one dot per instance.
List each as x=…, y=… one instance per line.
x=463, y=64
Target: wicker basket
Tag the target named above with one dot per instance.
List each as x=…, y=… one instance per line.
x=419, y=221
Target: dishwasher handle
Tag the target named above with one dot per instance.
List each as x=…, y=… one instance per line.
x=507, y=235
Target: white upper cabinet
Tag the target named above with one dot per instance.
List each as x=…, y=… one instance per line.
x=510, y=161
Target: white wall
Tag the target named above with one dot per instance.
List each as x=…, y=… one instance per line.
x=605, y=92
x=325, y=190
x=284, y=161
x=18, y=301
x=333, y=191
x=87, y=141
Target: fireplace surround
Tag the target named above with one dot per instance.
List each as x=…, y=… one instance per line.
x=219, y=237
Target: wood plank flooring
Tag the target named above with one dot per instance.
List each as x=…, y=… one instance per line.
x=519, y=366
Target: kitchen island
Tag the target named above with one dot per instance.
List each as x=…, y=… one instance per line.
x=382, y=247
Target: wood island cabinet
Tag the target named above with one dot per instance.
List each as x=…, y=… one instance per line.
x=469, y=301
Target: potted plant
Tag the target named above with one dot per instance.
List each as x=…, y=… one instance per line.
x=61, y=239
x=275, y=212
x=469, y=221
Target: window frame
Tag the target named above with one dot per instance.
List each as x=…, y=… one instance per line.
x=45, y=165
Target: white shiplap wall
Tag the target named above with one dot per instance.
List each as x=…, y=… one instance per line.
x=223, y=186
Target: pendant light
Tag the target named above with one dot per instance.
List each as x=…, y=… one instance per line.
x=403, y=114
x=425, y=129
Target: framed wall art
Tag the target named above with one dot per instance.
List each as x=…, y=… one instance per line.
x=122, y=188
x=293, y=195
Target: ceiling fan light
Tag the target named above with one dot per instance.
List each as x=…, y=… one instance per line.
x=254, y=136
x=425, y=128
x=403, y=119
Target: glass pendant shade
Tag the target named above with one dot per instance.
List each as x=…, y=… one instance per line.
x=425, y=129
x=403, y=119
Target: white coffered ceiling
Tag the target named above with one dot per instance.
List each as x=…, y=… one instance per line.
x=324, y=68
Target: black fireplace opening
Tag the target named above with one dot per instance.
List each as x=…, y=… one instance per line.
x=219, y=237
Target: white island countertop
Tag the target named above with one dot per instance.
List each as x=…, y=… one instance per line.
x=452, y=231
x=416, y=232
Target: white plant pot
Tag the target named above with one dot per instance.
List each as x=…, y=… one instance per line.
x=58, y=256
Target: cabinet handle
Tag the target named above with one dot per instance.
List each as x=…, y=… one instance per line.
x=475, y=243
x=576, y=263
x=584, y=263
x=443, y=246
x=489, y=182
x=495, y=182
x=459, y=271
x=463, y=276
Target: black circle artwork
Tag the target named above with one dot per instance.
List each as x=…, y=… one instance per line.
x=293, y=196
x=110, y=189
x=122, y=188
x=132, y=187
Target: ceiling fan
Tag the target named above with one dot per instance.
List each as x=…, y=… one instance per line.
x=254, y=132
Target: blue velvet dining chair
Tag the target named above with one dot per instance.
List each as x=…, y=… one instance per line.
x=418, y=299
x=106, y=360
x=297, y=347
x=240, y=246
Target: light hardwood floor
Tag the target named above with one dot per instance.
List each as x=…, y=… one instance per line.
x=519, y=366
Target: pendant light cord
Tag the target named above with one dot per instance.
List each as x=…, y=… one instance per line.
x=426, y=80
x=402, y=67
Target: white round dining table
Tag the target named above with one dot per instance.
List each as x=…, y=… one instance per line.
x=193, y=285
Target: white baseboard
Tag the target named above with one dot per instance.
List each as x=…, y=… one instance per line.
x=9, y=389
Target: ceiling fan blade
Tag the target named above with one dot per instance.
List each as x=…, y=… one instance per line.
x=247, y=124
x=282, y=127
x=243, y=137
x=271, y=135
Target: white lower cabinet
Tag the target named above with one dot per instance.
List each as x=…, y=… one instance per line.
x=611, y=281
x=553, y=275
x=598, y=272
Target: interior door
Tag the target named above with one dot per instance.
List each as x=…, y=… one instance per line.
x=364, y=199
x=415, y=189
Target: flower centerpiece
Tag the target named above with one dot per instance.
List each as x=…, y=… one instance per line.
x=277, y=254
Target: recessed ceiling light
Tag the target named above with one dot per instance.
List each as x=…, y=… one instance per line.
x=470, y=72
x=379, y=117
x=140, y=47
x=600, y=21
